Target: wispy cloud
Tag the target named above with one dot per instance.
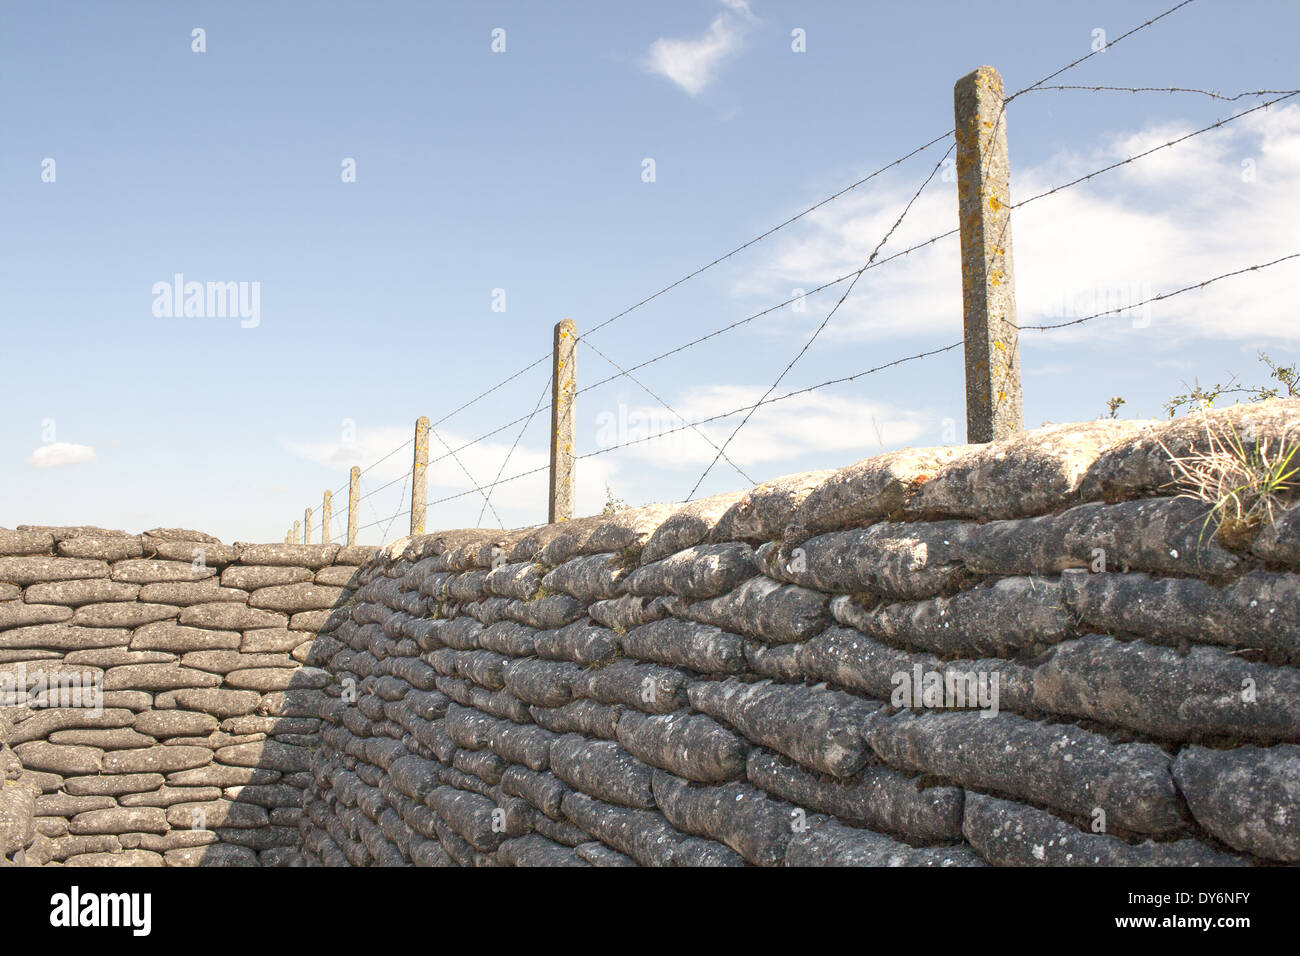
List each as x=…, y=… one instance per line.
x=1169, y=220
x=782, y=431
x=692, y=63
x=60, y=453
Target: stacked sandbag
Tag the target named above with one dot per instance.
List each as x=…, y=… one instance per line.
x=1026, y=653
x=157, y=704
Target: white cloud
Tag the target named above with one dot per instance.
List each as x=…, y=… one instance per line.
x=1175, y=218
x=693, y=63
x=60, y=453
x=782, y=431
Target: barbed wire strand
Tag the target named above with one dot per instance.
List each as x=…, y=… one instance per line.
x=1214, y=125
x=482, y=395
x=487, y=501
x=674, y=411
x=714, y=333
x=723, y=258
x=1157, y=298
x=1158, y=89
x=1155, y=149
x=401, y=499
x=829, y=315
x=724, y=415
x=1071, y=65
x=505, y=461
x=1034, y=86
x=879, y=368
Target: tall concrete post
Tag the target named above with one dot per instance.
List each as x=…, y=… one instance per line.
x=295, y=533
x=419, y=475
x=326, y=516
x=306, y=526
x=564, y=388
x=993, y=399
x=354, y=500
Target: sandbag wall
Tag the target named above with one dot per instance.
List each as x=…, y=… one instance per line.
x=156, y=707
x=727, y=682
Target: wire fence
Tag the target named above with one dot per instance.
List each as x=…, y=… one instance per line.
x=345, y=527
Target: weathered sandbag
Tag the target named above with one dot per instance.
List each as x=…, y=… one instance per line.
x=677, y=643
x=692, y=746
x=587, y=717
x=542, y=789
x=602, y=769
x=763, y=609
x=537, y=850
x=737, y=814
x=1058, y=765
x=1006, y=833
x=1246, y=797
x=595, y=577
x=813, y=725
x=580, y=642
x=624, y=613
x=644, y=835
x=830, y=843
x=877, y=798
x=703, y=571
x=647, y=687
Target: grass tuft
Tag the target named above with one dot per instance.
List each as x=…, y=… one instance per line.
x=1244, y=483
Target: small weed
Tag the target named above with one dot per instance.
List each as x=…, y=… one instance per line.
x=1244, y=485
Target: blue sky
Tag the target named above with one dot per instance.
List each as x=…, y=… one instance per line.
x=522, y=171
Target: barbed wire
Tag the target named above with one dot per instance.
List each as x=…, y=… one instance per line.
x=674, y=411
x=829, y=315
x=1158, y=89
x=389, y=527
x=836, y=195
x=724, y=415
x=1155, y=149
x=1039, y=85
x=484, y=394
x=716, y=332
x=1106, y=46
x=487, y=501
x=1157, y=298
x=505, y=461
x=879, y=368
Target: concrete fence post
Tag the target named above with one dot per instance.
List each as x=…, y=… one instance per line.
x=306, y=526
x=326, y=516
x=420, y=475
x=354, y=500
x=295, y=533
x=564, y=387
x=993, y=397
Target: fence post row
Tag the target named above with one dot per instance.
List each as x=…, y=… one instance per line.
x=993, y=397
x=993, y=390
x=564, y=388
x=419, y=475
x=354, y=500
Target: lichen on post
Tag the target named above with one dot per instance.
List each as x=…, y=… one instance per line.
x=993, y=396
